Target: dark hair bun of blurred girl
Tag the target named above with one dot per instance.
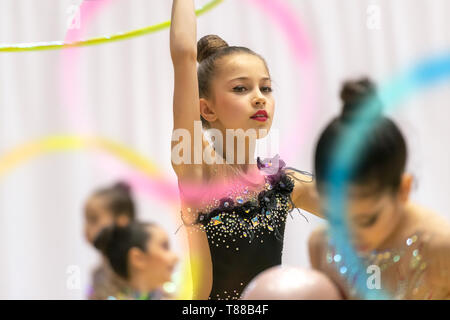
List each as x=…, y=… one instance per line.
x=116, y=241
x=104, y=238
x=123, y=187
x=208, y=45
x=355, y=94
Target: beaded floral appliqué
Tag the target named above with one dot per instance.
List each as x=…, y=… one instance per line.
x=244, y=217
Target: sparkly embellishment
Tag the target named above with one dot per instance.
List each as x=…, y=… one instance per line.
x=268, y=214
x=329, y=257
x=189, y=210
x=270, y=228
x=396, y=258
x=337, y=258
x=255, y=221
x=409, y=241
x=216, y=220
x=226, y=204
x=247, y=211
x=246, y=190
x=245, y=234
x=387, y=255
x=343, y=270
x=413, y=264
x=414, y=238
x=415, y=253
x=239, y=200
x=423, y=266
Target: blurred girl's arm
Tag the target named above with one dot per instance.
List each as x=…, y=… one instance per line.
x=305, y=196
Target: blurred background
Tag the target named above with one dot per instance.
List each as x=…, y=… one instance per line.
x=122, y=91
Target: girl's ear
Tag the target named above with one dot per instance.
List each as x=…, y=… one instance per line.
x=207, y=111
x=405, y=187
x=136, y=258
x=122, y=220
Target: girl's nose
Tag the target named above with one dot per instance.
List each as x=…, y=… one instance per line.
x=259, y=102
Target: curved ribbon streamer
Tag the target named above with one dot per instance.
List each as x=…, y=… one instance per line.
x=57, y=45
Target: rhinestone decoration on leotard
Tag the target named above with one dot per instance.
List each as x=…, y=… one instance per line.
x=387, y=259
x=247, y=217
x=245, y=228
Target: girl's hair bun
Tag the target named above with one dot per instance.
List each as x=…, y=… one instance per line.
x=209, y=45
x=355, y=95
x=104, y=239
x=123, y=187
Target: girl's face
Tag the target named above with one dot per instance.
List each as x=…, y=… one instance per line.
x=159, y=261
x=374, y=217
x=241, y=88
x=97, y=217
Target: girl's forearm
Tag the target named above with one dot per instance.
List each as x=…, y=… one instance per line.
x=183, y=30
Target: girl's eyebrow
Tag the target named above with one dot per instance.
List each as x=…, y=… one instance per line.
x=247, y=78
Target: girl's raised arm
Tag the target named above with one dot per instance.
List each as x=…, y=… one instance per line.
x=186, y=105
x=186, y=110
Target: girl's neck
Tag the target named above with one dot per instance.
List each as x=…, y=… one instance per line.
x=405, y=226
x=242, y=156
x=141, y=285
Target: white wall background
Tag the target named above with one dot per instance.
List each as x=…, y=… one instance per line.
x=126, y=89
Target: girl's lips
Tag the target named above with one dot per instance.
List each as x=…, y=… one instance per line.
x=261, y=116
x=362, y=248
x=261, y=119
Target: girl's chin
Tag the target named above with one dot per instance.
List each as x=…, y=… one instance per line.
x=363, y=248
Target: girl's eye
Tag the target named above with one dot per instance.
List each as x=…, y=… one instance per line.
x=370, y=222
x=264, y=89
x=238, y=89
x=165, y=245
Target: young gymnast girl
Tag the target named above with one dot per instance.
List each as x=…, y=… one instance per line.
x=236, y=233
x=140, y=254
x=105, y=207
x=410, y=244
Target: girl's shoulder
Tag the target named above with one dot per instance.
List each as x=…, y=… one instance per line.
x=436, y=245
x=433, y=224
x=318, y=239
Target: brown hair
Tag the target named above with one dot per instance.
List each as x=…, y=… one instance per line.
x=119, y=199
x=382, y=158
x=210, y=49
x=115, y=242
